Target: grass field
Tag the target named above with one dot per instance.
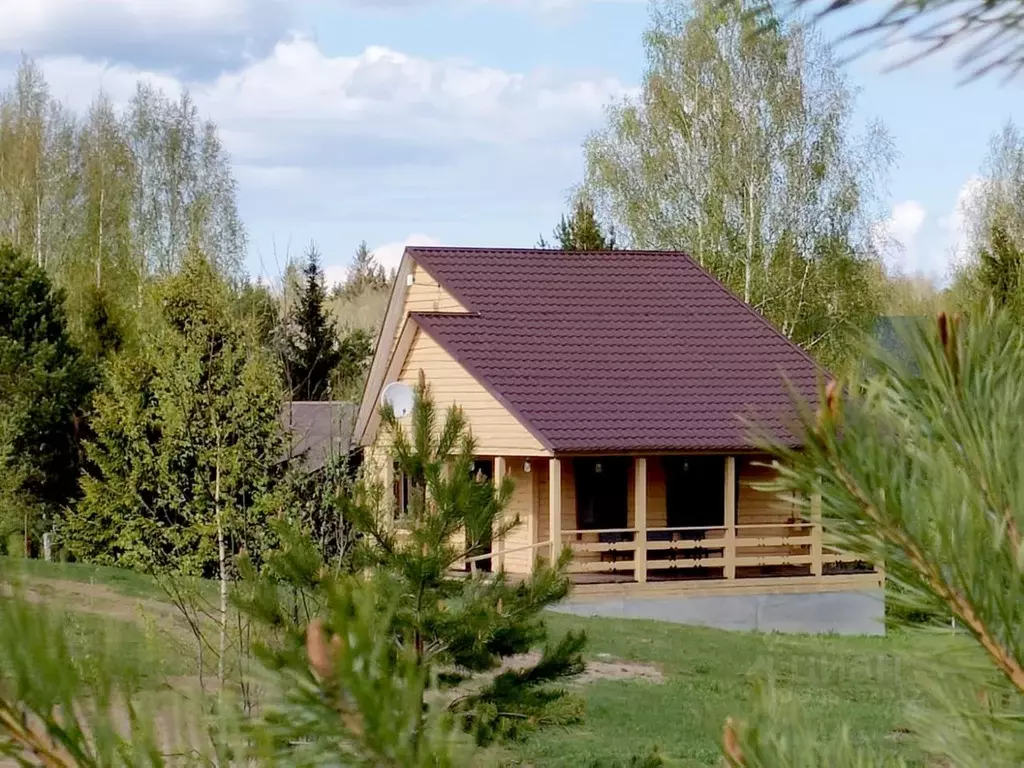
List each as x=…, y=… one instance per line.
x=705, y=675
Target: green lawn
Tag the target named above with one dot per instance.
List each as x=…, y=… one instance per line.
x=708, y=675
x=123, y=581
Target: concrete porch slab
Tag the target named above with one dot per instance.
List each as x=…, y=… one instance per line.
x=842, y=613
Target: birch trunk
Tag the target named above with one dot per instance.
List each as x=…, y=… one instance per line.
x=748, y=266
x=222, y=557
x=99, y=242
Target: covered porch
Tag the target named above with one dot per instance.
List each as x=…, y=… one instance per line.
x=662, y=523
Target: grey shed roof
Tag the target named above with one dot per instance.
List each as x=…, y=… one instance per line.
x=318, y=431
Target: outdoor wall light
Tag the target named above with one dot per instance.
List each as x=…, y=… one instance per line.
x=526, y=466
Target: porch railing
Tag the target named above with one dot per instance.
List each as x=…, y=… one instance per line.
x=713, y=552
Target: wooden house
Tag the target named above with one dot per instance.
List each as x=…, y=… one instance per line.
x=613, y=387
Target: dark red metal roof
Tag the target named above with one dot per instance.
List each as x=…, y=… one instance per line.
x=616, y=350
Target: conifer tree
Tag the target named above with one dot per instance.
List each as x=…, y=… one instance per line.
x=313, y=349
x=187, y=439
x=365, y=273
x=45, y=383
x=458, y=626
x=917, y=463
x=582, y=231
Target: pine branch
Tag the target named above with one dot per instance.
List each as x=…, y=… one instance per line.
x=929, y=571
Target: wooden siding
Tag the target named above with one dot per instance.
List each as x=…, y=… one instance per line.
x=540, y=487
x=755, y=507
x=520, y=504
x=773, y=515
x=657, y=515
x=424, y=295
x=496, y=431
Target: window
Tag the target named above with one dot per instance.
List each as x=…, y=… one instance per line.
x=694, y=491
x=602, y=492
x=400, y=492
x=482, y=471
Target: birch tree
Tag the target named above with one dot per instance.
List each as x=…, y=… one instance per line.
x=22, y=145
x=739, y=150
x=184, y=188
x=107, y=187
x=990, y=266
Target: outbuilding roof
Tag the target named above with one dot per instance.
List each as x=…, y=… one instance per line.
x=616, y=350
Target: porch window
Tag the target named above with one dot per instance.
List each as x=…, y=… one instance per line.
x=400, y=488
x=694, y=491
x=482, y=471
x=602, y=490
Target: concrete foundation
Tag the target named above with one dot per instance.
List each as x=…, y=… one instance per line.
x=843, y=613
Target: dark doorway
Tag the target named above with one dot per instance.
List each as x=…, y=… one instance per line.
x=602, y=491
x=482, y=472
x=694, y=491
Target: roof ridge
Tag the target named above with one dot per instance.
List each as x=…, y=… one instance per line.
x=499, y=249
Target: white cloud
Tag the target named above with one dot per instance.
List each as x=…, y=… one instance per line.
x=300, y=107
x=390, y=254
x=956, y=225
x=338, y=148
x=166, y=33
x=387, y=255
x=194, y=36
x=897, y=237
x=335, y=274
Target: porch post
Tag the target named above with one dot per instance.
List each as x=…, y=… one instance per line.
x=499, y=477
x=555, y=507
x=816, y=536
x=640, y=518
x=730, y=517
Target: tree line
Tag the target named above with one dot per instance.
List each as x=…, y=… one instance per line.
x=132, y=343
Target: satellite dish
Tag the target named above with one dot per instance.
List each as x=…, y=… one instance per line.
x=399, y=396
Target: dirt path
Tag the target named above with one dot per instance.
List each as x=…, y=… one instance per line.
x=97, y=599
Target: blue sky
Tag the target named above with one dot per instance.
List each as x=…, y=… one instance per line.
x=449, y=121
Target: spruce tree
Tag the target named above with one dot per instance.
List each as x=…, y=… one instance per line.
x=464, y=627
x=313, y=349
x=45, y=383
x=187, y=438
x=364, y=274
x=581, y=231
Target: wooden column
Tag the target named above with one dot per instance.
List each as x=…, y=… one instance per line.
x=532, y=523
x=730, y=517
x=555, y=507
x=816, y=536
x=640, y=518
x=499, y=477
